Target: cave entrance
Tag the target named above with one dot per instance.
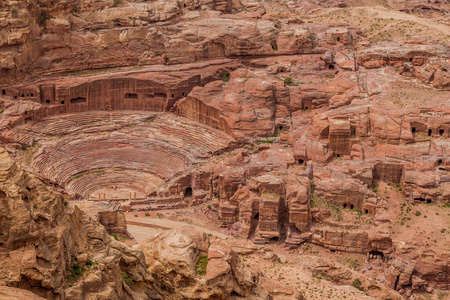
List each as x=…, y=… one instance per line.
x=301, y=161
x=188, y=192
x=441, y=132
x=420, y=199
x=345, y=205
x=376, y=254
x=330, y=67
x=3, y=92
x=338, y=39
x=413, y=130
x=366, y=211
x=440, y=162
x=253, y=225
x=430, y=132
x=351, y=206
x=273, y=44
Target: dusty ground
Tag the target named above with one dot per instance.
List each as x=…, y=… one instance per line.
x=382, y=24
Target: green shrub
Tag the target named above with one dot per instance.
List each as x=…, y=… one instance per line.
x=147, y=214
x=127, y=279
x=115, y=236
x=201, y=265
x=417, y=213
x=226, y=77
x=288, y=80
x=357, y=284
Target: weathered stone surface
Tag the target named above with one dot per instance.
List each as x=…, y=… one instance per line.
x=172, y=257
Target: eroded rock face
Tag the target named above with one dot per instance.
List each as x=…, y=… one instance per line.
x=283, y=126
x=187, y=264
x=42, y=236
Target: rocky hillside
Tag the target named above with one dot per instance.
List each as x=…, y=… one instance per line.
x=308, y=139
x=53, y=249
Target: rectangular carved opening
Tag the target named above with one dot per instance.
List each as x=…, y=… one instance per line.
x=131, y=96
x=3, y=92
x=160, y=95
x=78, y=100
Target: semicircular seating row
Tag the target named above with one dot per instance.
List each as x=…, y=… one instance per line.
x=141, y=182
x=151, y=151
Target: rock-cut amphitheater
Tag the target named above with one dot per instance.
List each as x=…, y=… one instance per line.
x=224, y=149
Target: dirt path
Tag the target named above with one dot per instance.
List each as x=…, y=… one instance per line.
x=142, y=227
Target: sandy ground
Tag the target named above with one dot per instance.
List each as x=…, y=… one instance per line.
x=382, y=24
x=143, y=226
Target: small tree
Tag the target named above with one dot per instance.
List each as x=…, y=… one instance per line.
x=288, y=80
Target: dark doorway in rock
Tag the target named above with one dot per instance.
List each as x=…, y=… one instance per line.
x=430, y=132
x=78, y=100
x=413, y=130
x=345, y=205
x=173, y=95
x=31, y=95
x=376, y=254
x=440, y=162
x=330, y=67
x=3, y=92
x=301, y=161
x=188, y=192
x=306, y=107
x=338, y=39
x=47, y=101
x=338, y=155
x=366, y=211
x=62, y=102
x=184, y=5
x=274, y=46
x=441, y=132
x=256, y=217
x=420, y=199
x=22, y=95
x=131, y=96
x=351, y=206
x=428, y=200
